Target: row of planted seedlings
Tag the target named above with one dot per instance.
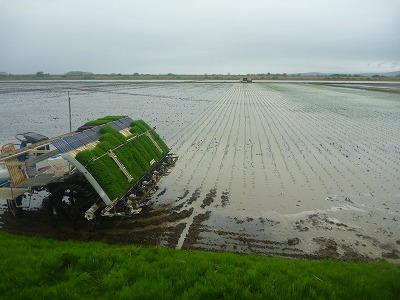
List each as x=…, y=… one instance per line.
x=203, y=165
x=213, y=152
x=359, y=142
x=292, y=133
x=314, y=144
x=204, y=126
x=205, y=135
x=342, y=137
x=137, y=153
x=286, y=128
x=294, y=128
x=230, y=131
x=269, y=112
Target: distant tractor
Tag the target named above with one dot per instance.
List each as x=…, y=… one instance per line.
x=99, y=170
x=246, y=80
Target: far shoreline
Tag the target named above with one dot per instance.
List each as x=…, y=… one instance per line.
x=205, y=77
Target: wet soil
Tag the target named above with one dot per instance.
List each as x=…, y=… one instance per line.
x=165, y=227
x=274, y=169
x=150, y=228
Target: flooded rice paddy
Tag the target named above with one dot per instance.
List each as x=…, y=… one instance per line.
x=294, y=169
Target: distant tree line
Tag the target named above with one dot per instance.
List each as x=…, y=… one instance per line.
x=229, y=76
x=78, y=73
x=42, y=74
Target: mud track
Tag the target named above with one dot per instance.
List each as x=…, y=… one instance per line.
x=158, y=228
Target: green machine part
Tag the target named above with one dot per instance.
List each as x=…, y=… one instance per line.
x=118, y=162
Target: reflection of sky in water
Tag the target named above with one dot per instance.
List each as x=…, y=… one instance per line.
x=43, y=106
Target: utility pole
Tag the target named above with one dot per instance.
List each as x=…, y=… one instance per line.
x=70, y=121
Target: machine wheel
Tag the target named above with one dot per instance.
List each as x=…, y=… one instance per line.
x=70, y=201
x=12, y=207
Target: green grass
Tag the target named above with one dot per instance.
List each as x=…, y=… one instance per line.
x=135, y=156
x=36, y=268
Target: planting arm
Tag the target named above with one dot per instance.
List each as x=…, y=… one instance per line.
x=88, y=176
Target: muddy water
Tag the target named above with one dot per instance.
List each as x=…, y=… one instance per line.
x=273, y=168
x=291, y=169
x=43, y=106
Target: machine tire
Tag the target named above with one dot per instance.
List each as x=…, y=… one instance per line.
x=12, y=207
x=70, y=201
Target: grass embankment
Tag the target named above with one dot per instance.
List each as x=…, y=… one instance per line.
x=45, y=269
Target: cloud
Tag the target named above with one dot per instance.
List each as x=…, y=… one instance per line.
x=395, y=65
x=177, y=36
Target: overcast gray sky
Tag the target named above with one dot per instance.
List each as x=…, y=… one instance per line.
x=199, y=36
